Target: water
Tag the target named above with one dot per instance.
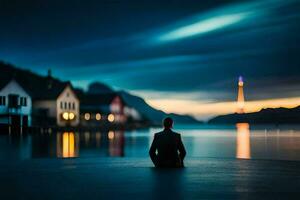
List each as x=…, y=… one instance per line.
x=241, y=141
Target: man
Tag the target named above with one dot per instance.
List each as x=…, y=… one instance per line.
x=169, y=147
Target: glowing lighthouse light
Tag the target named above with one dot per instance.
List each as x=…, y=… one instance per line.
x=241, y=98
x=241, y=82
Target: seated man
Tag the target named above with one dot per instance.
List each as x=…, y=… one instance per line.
x=169, y=147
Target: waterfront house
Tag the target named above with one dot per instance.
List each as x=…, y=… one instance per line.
x=58, y=104
x=15, y=104
x=105, y=108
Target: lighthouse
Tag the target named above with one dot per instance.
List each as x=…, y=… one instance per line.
x=240, y=98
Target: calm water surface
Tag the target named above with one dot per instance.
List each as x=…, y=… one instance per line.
x=240, y=141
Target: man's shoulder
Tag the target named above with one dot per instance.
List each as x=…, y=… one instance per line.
x=177, y=134
x=163, y=132
x=158, y=133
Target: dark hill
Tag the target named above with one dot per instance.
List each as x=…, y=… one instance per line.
x=97, y=88
x=264, y=116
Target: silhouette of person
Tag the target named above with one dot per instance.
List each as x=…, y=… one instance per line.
x=167, y=149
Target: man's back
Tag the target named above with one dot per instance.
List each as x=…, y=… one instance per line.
x=169, y=147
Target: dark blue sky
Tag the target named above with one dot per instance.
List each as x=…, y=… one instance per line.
x=184, y=49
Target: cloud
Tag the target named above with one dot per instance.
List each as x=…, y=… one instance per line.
x=203, y=26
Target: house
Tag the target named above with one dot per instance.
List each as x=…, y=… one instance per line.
x=102, y=108
x=15, y=105
x=54, y=102
x=58, y=104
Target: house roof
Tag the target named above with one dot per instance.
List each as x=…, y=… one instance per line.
x=35, y=85
x=4, y=83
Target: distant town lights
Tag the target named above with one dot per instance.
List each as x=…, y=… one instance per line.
x=111, y=118
x=87, y=116
x=98, y=116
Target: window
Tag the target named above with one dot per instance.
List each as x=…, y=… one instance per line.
x=13, y=101
x=66, y=105
x=61, y=105
x=2, y=100
x=69, y=105
x=73, y=106
x=23, y=101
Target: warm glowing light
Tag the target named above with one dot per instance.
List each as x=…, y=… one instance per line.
x=71, y=116
x=87, y=116
x=243, y=149
x=71, y=145
x=241, y=98
x=111, y=118
x=65, y=116
x=68, y=145
x=111, y=135
x=98, y=116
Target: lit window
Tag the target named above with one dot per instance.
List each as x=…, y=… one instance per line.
x=98, y=116
x=87, y=116
x=111, y=118
x=71, y=116
x=65, y=116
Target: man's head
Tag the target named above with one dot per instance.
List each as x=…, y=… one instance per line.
x=168, y=123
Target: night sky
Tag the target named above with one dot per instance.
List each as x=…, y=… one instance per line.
x=172, y=53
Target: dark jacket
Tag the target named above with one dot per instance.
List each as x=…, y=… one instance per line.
x=170, y=149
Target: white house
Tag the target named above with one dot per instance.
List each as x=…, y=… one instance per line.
x=15, y=105
x=60, y=104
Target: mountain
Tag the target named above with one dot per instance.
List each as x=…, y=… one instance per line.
x=264, y=116
x=152, y=114
x=97, y=87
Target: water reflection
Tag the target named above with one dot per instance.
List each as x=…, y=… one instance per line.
x=98, y=139
x=87, y=144
x=233, y=142
x=116, y=143
x=67, y=145
x=243, y=148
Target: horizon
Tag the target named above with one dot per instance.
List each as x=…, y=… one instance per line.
x=187, y=61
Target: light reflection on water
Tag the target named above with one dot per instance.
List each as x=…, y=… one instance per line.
x=241, y=141
x=243, y=149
